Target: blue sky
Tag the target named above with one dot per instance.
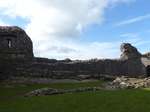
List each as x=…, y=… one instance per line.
x=80, y=29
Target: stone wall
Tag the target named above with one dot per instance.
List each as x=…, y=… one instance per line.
x=17, y=60
x=108, y=66
x=15, y=46
x=79, y=70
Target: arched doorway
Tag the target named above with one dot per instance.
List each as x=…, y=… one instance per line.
x=148, y=70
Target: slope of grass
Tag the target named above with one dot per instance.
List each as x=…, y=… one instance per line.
x=133, y=100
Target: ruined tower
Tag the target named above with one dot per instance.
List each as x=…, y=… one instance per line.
x=15, y=50
x=15, y=46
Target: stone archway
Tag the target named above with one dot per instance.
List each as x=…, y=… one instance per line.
x=148, y=70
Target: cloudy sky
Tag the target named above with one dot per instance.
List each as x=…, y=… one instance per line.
x=80, y=29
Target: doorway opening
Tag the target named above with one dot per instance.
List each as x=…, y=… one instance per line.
x=148, y=70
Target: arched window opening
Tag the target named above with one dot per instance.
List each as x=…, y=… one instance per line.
x=148, y=70
x=9, y=43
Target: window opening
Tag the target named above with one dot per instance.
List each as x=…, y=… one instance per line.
x=9, y=43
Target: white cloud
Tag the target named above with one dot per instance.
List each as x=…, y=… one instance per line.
x=135, y=38
x=133, y=20
x=74, y=50
x=142, y=42
x=52, y=22
x=129, y=35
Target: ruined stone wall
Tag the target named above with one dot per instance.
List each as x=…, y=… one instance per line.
x=109, y=67
x=15, y=50
x=17, y=60
x=79, y=70
x=129, y=64
x=19, y=39
x=15, y=46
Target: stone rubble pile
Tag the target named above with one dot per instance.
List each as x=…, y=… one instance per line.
x=87, y=89
x=52, y=91
x=127, y=83
x=118, y=83
x=14, y=86
x=7, y=85
x=45, y=91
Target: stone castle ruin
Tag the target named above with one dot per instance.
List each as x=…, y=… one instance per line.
x=18, y=64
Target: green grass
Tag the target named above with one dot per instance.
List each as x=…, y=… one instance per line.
x=8, y=93
x=131, y=100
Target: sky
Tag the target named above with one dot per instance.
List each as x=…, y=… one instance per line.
x=80, y=29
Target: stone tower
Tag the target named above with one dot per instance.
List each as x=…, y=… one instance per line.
x=15, y=46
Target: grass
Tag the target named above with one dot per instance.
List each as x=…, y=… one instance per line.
x=7, y=93
x=131, y=100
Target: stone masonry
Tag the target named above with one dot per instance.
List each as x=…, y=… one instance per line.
x=18, y=64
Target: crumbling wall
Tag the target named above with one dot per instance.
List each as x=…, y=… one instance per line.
x=15, y=50
x=79, y=70
x=17, y=60
x=15, y=46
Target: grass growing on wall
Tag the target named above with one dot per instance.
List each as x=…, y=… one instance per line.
x=132, y=100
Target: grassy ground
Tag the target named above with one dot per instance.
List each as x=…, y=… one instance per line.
x=133, y=100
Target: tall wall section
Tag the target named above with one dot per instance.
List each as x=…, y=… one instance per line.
x=15, y=50
x=90, y=69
